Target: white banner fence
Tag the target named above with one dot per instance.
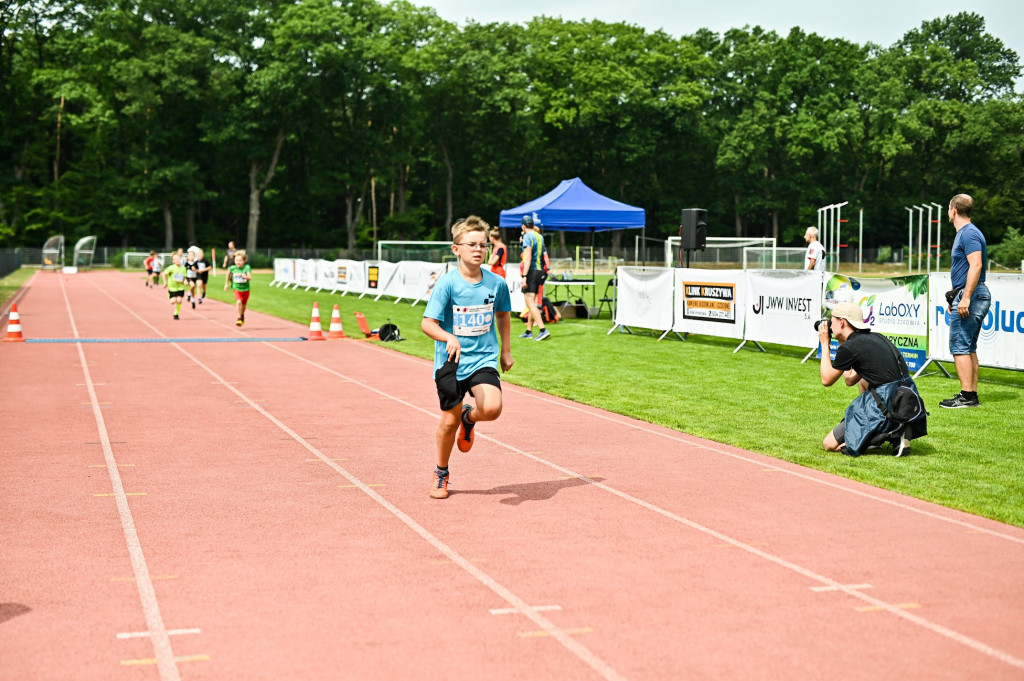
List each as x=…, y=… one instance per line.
x=779, y=306
x=771, y=306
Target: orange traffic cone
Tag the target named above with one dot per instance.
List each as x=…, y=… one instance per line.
x=315, y=332
x=336, y=330
x=14, y=327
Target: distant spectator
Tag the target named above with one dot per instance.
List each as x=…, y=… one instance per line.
x=815, y=257
x=229, y=257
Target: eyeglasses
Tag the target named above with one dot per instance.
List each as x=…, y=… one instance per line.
x=472, y=245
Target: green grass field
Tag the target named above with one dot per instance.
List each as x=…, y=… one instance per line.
x=768, y=403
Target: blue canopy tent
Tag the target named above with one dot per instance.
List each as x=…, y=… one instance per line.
x=574, y=207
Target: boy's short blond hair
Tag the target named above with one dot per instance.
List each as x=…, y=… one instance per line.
x=241, y=252
x=471, y=224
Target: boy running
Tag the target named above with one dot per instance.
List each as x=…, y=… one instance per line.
x=175, y=279
x=203, y=267
x=149, y=268
x=463, y=309
x=239, y=275
x=190, y=272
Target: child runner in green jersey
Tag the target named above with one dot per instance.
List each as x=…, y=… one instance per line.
x=239, y=275
x=175, y=280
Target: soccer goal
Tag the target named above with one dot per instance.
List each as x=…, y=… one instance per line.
x=761, y=258
x=136, y=260
x=722, y=252
x=428, y=251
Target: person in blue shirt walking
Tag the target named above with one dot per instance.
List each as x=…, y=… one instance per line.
x=465, y=309
x=970, y=300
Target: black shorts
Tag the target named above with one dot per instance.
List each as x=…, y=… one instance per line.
x=175, y=294
x=839, y=432
x=534, y=280
x=203, y=277
x=450, y=390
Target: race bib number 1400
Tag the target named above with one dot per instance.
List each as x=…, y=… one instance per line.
x=472, y=320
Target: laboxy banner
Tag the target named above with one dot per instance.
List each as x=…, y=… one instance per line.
x=897, y=308
x=710, y=302
x=783, y=306
x=284, y=271
x=1001, y=343
x=645, y=297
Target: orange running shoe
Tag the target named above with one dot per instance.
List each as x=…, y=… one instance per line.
x=465, y=438
x=439, y=488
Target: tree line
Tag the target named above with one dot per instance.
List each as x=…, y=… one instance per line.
x=340, y=122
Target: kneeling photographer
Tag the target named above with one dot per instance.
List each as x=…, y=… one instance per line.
x=888, y=408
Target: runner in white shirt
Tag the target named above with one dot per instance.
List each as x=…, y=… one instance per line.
x=815, y=257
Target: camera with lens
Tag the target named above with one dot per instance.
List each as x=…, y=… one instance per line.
x=828, y=325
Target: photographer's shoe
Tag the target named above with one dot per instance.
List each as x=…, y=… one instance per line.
x=959, y=401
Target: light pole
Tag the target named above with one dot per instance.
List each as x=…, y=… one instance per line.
x=921, y=216
x=928, y=250
x=938, y=236
x=910, y=240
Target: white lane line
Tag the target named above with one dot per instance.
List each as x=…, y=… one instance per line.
x=146, y=634
x=536, y=608
x=694, y=441
x=165, y=662
x=845, y=586
x=772, y=558
x=563, y=637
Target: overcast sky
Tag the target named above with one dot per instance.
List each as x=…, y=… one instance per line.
x=879, y=21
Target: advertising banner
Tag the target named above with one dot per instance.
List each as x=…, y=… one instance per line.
x=349, y=276
x=325, y=278
x=710, y=302
x=896, y=307
x=783, y=306
x=645, y=297
x=515, y=289
x=305, y=272
x=284, y=271
x=1001, y=343
x=379, y=274
x=415, y=280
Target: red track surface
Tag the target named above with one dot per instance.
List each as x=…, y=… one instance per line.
x=260, y=511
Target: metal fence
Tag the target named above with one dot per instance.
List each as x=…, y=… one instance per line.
x=9, y=262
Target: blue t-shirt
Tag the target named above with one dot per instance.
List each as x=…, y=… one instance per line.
x=467, y=310
x=968, y=240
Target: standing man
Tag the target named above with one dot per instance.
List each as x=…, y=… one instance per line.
x=533, y=275
x=815, y=257
x=969, y=300
x=229, y=256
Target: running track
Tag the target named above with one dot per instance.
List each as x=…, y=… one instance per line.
x=259, y=510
